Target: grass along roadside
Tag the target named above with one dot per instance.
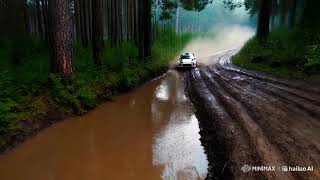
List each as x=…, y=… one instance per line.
x=287, y=53
x=29, y=93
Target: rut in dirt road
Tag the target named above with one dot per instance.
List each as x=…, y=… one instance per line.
x=251, y=118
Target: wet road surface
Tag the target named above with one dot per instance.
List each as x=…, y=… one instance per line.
x=245, y=117
x=148, y=134
x=256, y=119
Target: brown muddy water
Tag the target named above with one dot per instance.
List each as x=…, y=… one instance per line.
x=148, y=134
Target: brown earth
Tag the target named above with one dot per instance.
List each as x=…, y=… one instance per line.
x=252, y=118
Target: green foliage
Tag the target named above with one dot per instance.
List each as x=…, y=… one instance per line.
x=29, y=91
x=23, y=73
x=312, y=65
x=286, y=53
x=7, y=116
x=168, y=7
x=120, y=57
x=64, y=95
x=166, y=46
x=129, y=76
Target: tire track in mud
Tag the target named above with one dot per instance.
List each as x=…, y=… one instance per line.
x=248, y=117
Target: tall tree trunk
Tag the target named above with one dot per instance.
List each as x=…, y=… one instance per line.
x=177, y=20
x=89, y=8
x=39, y=17
x=108, y=19
x=120, y=24
x=310, y=14
x=148, y=23
x=273, y=16
x=132, y=20
x=293, y=10
x=112, y=23
x=34, y=21
x=284, y=6
x=45, y=14
x=77, y=14
x=273, y=13
x=84, y=23
x=154, y=27
x=264, y=19
x=145, y=28
x=25, y=17
x=115, y=22
x=126, y=20
x=104, y=17
x=136, y=21
x=62, y=50
x=97, y=37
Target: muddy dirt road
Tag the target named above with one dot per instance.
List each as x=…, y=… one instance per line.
x=255, y=119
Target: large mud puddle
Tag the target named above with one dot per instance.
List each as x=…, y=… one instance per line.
x=148, y=134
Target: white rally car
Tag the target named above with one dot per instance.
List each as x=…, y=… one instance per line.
x=187, y=60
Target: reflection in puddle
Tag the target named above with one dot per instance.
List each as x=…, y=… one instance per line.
x=162, y=91
x=150, y=133
x=177, y=146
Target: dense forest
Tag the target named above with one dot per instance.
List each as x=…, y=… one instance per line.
x=287, y=39
x=65, y=56
x=68, y=55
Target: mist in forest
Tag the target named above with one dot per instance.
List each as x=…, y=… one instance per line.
x=223, y=29
x=214, y=16
x=224, y=38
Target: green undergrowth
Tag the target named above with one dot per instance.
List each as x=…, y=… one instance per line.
x=29, y=91
x=287, y=53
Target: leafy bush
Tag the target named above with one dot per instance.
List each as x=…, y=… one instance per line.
x=286, y=53
x=7, y=116
x=120, y=57
x=64, y=95
x=312, y=66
